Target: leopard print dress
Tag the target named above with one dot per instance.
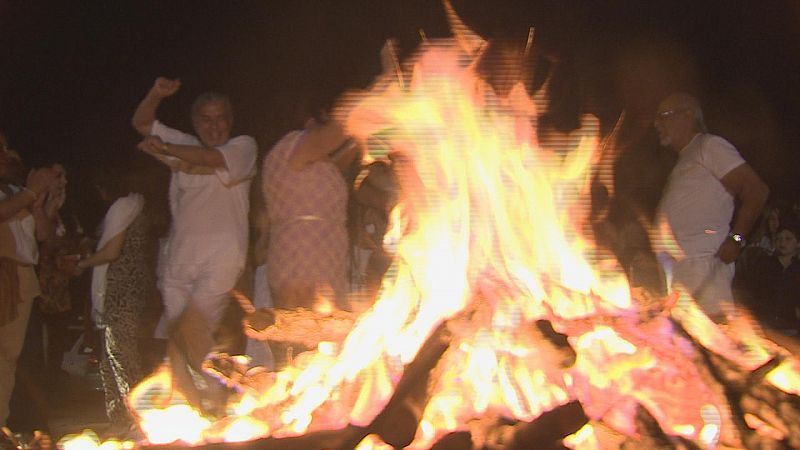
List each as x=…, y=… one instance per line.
x=130, y=282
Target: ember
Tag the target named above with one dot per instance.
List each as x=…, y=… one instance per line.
x=500, y=324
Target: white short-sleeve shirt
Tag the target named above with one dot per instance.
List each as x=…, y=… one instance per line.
x=210, y=211
x=695, y=203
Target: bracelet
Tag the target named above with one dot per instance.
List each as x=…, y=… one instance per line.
x=32, y=192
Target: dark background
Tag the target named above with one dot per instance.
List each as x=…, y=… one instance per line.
x=73, y=72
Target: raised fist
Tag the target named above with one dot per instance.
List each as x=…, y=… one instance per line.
x=164, y=87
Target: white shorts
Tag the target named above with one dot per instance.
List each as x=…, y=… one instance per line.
x=708, y=279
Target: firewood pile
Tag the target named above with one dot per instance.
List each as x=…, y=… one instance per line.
x=759, y=415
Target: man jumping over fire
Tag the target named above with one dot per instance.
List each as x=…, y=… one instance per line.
x=209, y=201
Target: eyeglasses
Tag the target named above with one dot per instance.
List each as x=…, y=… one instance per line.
x=670, y=113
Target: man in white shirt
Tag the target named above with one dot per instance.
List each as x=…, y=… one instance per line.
x=698, y=204
x=22, y=222
x=209, y=202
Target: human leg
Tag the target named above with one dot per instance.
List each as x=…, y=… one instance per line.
x=708, y=280
x=176, y=286
x=192, y=335
x=30, y=404
x=12, y=337
x=120, y=366
x=57, y=329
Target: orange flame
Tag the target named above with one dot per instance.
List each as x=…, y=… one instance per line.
x=488, y=236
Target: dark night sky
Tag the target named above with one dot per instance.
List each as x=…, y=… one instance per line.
x=73, y=71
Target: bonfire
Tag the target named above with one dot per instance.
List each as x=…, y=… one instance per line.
x=501, y=324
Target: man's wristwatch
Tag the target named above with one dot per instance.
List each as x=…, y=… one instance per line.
x=738, y=238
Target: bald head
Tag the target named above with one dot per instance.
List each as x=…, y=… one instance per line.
x=689, y=102
x=678, y=118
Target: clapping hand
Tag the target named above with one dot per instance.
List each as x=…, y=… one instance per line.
x=41, y=180
x=55, y=200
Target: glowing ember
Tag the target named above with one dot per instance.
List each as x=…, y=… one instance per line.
x=488, y=240
x=583, y=439
x=373, y=442
x=786, y=377
x=88, y=440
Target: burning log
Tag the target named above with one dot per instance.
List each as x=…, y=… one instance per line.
x=460, y=440
x=397, y=423
x=650, y=436
x=346, y=438
x=549, y=430
x=773, y=408
x=494, y=329
x=765, y=416
x=300, y=326
x=399, y=420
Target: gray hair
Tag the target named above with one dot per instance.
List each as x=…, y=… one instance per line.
x=212, y=97
x=693, y=105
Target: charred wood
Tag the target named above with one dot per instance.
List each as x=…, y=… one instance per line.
x=549, y=429
x=397, y=423
x=344, y=439
x=558, y=341
x=650, y=436
x=749, y=393
x=459, y=440
x=300, y=325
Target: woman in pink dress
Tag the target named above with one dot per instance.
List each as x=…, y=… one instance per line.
x=306, y=199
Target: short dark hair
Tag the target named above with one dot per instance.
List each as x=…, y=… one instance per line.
x=791, y=224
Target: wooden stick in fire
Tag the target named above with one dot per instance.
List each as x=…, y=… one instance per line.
x=299, y=326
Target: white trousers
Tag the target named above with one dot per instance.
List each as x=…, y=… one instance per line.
x=709, y=280
x=206, y=285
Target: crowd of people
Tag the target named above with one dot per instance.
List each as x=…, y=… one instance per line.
x=313, y=236
x=300, y=254
x=767, y=278
x=45, y=252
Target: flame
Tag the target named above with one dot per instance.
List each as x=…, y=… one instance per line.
x=174, y=423
x=88, y=440
x=763, y=428
x=786, y=376
x=583, y=439
x=373, y=442
x=488, y=238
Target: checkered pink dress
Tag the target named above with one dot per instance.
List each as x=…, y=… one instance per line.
x=307, y=253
